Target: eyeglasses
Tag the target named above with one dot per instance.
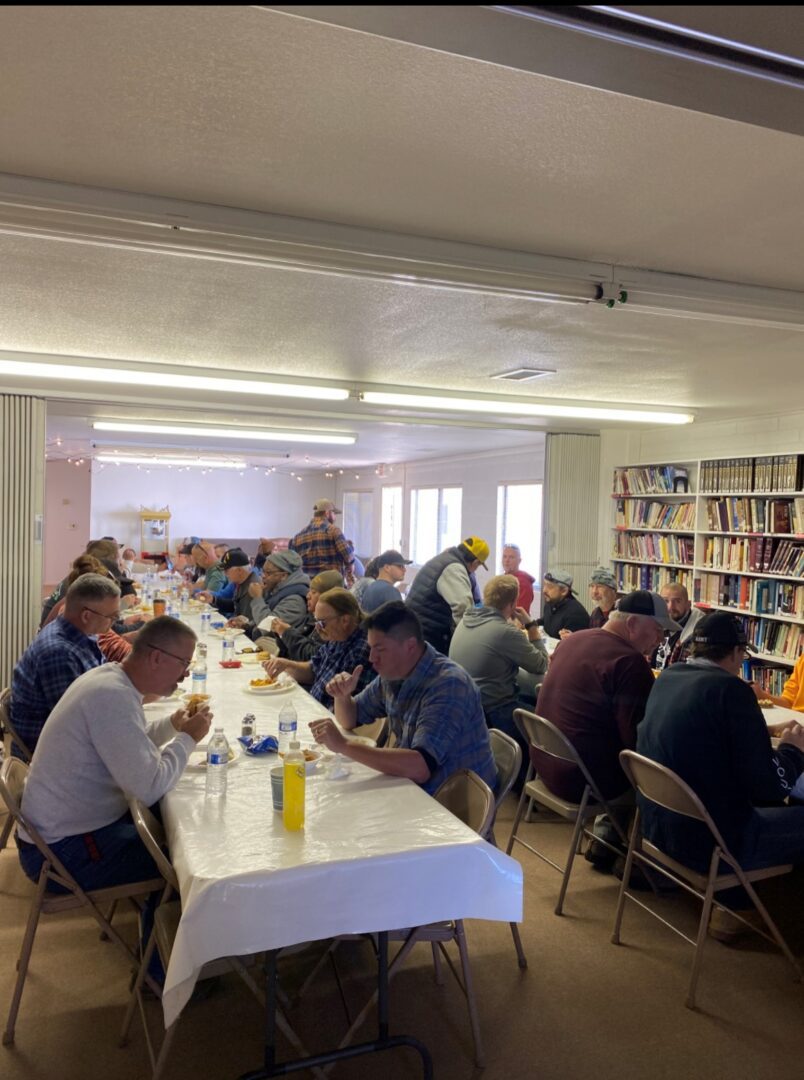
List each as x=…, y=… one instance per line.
x=184, y=663
x=321, y=623
x=112, y=618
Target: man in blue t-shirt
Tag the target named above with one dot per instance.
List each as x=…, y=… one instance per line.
x=391, y=568
x=433, y=707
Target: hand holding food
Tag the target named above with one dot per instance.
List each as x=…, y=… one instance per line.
x=275, y=666
x=238, y=622
x=279, y=626
x=327, y=734
x=255, y=590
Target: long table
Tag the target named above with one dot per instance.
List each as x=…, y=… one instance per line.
x=376, y=852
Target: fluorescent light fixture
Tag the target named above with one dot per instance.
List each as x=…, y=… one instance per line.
x=528, y=408
x=248, y=434
x=202, y=463
x=168, y=380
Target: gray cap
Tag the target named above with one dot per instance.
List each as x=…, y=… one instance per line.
x=642, y=602
x=602, y=576
x=559, y=577
x=286, y=561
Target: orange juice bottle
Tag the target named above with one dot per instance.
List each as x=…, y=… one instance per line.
x=293, y=783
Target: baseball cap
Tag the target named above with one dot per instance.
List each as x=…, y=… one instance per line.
x=234, y=557
x=720, y=628
x=477, y=548
x=186, y=549
x=602, y=576
x=391, y=558
x=326, y=580
x=320, y=506
x=559, y=577
x=642, y=602
x=287, y=561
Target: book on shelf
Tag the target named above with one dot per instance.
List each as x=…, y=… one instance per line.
x=655, y=514
x=760, y=596
x=650, y=479
x=654, y=547
x=771, y=679
x=631, y=576
x=774, y=472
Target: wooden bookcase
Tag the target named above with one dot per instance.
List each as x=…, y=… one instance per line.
x=735, y=539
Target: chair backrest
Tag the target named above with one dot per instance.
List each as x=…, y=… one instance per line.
x=545, y=736
x=13, y=775
x=7, y=725
x=508, y=760
x=152, y=834
x=469, y=798
x=662, y=786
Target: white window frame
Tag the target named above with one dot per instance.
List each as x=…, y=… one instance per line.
x=439, y=517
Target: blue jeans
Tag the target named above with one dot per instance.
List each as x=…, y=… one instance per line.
x=113, y=855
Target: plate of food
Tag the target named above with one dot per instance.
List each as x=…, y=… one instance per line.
x=311, y=759
x=198, y=757
x=253, y=656
x=767, y=704
x=227, y=631
x=268, y=685
x=194, y=702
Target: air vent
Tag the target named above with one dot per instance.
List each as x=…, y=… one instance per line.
x=524, y=374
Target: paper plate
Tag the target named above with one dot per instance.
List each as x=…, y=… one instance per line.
x=278, y=688
x=198, y=758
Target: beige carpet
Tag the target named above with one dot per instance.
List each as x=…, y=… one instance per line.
x=584, y=1008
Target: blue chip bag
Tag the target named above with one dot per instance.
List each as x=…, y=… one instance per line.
x=267, y=744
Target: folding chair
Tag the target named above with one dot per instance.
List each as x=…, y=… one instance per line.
x=665, y=788
x=166, y=925
x=8, y=727
x=12, y=779
x=472, y=800
x=544, y=736
x=508, y=759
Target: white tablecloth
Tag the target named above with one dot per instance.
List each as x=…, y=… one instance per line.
x=779, y=715
x=376, y=853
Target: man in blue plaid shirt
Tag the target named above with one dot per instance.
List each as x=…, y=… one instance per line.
x=432, y=704
x=60, y=652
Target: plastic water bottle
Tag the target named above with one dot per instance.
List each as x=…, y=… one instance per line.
x=199, y=680
x=288, y=727
x=293, y=778
x=217, y=763
x=205, y=618
x=184, y=600
x=228, y=649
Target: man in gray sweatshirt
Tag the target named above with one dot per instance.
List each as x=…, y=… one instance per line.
x=96, y=750
x=492, y=649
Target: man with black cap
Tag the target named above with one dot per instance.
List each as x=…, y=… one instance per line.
x=239, y=573
x=282, y=594
x=322, y=545
x=703, y=722
x=562, y=610
x=391, y=568
x=442, y=590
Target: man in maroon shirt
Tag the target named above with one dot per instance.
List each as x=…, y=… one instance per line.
x=595, y=692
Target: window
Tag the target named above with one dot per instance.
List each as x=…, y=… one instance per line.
x=435, y=521
x=391, y=520
x=519, y=521
x=358, y=521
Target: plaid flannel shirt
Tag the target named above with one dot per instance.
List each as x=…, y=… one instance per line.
x=336, y=656
x=322, y=547
x=56, y=657
x=437, y=711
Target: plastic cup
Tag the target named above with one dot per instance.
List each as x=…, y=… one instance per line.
x=159, y=608
x=277, y=786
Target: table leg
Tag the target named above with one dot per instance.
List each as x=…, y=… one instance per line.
x=383, y=1041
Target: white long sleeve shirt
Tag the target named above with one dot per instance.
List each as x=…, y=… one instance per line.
x=96, y=750
x=455, y=587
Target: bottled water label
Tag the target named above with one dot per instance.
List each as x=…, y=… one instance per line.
x=219, y=758
x=199, y=683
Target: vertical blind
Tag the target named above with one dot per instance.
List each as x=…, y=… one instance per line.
x=22, y=485
x=572, y=479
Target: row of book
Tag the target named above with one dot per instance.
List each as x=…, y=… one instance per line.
x=655, y=514
x=762, y=596
x=771, y=679
x=650, y=479
x=654, y=547
x=778, y=472
x=755, y=515
x=756, y=554
x=781, y=639
x=630, y=577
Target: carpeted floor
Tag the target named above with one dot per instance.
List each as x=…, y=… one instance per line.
x=584, y=1008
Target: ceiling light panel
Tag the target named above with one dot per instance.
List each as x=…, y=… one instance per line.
x=202, y=463
x=246, y=434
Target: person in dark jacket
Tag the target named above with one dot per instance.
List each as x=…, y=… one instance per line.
x=703, y=722
x=442, y=590
x=282, y=593
x=302, y=643
x=239, y=573
x=562, y=610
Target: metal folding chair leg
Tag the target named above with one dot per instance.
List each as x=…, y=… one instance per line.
x=522, y=960
x=24, y=958
x=7, y=827
x=573, y=851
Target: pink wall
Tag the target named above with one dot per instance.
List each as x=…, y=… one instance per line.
x=67, y=505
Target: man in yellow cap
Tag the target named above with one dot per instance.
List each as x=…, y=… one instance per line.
x=442, y=590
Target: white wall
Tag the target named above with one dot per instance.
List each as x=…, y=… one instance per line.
x=67, y=517
x=478, y=475
x=745, y=437
x=220, y=504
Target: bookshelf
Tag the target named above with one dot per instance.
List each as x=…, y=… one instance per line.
x=731, y=530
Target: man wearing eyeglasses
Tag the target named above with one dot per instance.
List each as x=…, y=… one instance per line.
x=97, y=750
x=65, y=649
